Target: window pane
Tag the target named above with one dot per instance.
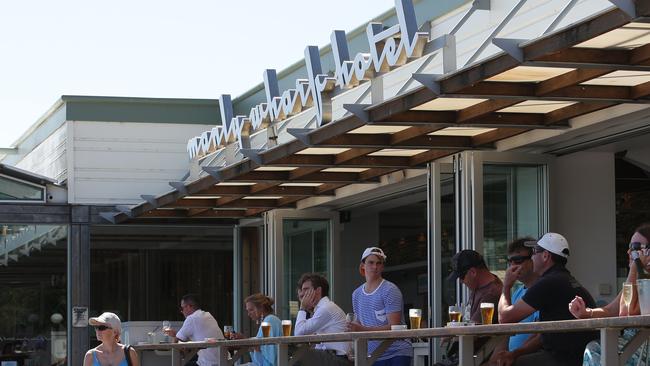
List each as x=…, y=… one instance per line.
x=141, y=272
x=33, y=275
x=512, y=208
x=12, y=190
x=306, y=249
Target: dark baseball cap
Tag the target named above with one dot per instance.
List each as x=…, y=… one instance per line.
x=463, y=261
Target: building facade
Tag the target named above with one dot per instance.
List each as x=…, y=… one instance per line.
x=445, y=127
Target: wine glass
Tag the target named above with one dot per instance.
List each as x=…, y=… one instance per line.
x=627, y=295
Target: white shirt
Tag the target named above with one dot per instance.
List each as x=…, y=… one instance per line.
x=197, y=327
x=327, y=318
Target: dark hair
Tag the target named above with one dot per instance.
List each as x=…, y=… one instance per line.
x=260, y=300
x=558, y=259
x=644, y=229
x=316, y=282
x=519, y=244
x=192, y=300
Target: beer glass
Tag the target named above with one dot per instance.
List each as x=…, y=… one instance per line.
x=228, y=330
x=487, y=312
x=415, y=315
x=266, y=329
x=455, y=315
x=627, y=295
x=286, y=328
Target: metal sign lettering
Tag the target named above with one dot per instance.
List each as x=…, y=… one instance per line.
x=389, y=47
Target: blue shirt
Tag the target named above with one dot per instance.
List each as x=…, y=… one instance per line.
x=372, y=310
x=518, y=340
x=268, y=355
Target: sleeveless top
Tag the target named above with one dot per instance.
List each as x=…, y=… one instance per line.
x=96, y=360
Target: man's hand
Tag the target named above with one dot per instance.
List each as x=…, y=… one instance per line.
x=578, y=308
x=355, y=326
x=308, y=302
x=505, y=358
x=512, y=273
x=170, y=332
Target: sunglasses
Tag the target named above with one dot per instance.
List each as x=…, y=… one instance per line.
x=538, y=250
x=518, y=259
x=101, y=328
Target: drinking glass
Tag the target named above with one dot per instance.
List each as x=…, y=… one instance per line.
x=487, y=312
x=455, y=315
x=286, y=328
x=166, y=325
x=627, y=295
x=228, y=330
x=266, y=329
x=415, y=315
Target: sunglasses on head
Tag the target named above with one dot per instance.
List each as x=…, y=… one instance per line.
x=518, y=259
x=101, y=327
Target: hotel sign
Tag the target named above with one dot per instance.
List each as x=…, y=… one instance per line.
x=389, y=47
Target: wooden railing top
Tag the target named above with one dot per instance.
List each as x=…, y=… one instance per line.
x=640, y=321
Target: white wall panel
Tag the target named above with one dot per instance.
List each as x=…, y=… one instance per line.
x=584, y=211
x=49, y=157
x=116, y=162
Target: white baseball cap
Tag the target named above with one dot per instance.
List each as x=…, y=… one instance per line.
x=553, y=242
x=373, y=251
x=108, y=319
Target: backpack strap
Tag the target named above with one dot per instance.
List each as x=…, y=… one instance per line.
x=127, y=355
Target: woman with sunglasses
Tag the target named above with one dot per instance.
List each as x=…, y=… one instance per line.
x=640, y=239
x=110, y=352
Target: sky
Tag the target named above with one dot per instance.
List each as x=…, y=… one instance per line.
x=154, y=48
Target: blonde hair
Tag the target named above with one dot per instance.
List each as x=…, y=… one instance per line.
x=260, y=300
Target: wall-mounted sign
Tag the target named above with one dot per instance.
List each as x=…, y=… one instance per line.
x=79, y=316
x=388, y=48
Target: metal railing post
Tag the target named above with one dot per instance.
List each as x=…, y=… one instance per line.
x=466, y=350
x=283, y=354
x=361, y=352
x=176, y=357
x=609, y=346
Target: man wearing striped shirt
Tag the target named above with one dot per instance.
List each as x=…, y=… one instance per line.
x=378, y=304
x=327, y=317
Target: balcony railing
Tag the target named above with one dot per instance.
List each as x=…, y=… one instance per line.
x=609, y=330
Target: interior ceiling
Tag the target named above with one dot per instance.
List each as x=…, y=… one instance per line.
x=592, y=65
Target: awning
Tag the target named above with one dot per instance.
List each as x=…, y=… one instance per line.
x=597, y=63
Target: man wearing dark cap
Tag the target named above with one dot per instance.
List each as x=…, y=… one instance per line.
x=469, y=267
x=550, y=295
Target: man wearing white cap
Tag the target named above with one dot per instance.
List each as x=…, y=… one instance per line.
x=378, y=304
x=550, y=295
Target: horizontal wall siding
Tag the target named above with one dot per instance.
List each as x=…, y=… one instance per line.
x=116, y=162
x=49, y=157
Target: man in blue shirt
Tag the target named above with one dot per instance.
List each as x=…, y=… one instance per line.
x=520, y=268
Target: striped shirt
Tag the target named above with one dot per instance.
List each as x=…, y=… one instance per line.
x=372, y=309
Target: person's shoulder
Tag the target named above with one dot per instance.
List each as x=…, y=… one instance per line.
x=386, y=285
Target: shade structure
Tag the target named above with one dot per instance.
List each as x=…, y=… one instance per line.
x=596, y=63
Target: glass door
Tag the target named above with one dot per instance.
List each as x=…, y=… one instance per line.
x=297, y=242
x=506, y=197
x=306, y=249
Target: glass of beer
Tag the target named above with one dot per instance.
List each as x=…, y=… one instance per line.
x=228, y=331
x=455, y=315
x=266, y=329
x=286, y=328
x=487, y=312
x=627, y=295
x=415, y=315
